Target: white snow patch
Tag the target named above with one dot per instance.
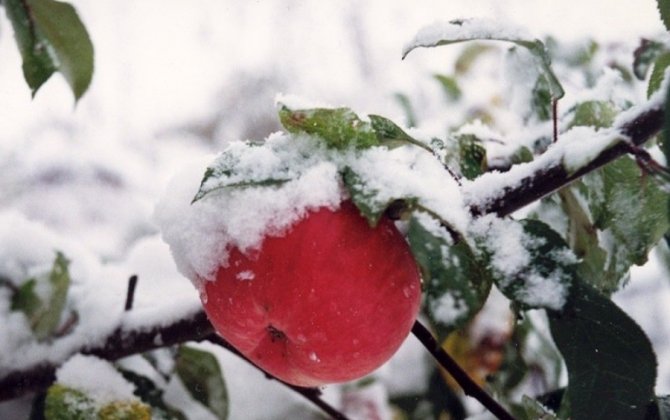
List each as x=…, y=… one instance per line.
x=105, y=386
x=447, y=309
x=463, y=30
x=246, y=275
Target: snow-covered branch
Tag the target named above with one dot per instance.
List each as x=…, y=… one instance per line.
x=577, y=153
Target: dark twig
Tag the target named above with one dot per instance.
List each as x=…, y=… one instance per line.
x=469, y=386
x=554, y=118
x=311, y=394
x=130, y=294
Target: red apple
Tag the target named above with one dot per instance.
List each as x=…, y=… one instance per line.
x=329, y=301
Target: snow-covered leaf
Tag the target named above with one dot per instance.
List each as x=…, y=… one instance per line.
x=389, y=134
x=611, y=364
x=339, y=128
x=65, y=403
x=51, y=38
x=44, y=309
x=476, y=29
x=531, y=264
x=366, y=200
x=533, y=410
x=455, y=280
x=201, y=374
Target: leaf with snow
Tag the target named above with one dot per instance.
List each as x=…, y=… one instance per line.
x=533, y=410
x=51, y=38
x=65, y=403
x=339, y=128
x=201, y=374
x=245, y=165
x=366, y=200
x=610, y=361
x=480, y=29
x=455, y=280
x=531, y=264
x=44, y=309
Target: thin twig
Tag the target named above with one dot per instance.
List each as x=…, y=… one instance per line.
x=130, y=294
x=312, y=394
x=469, y=386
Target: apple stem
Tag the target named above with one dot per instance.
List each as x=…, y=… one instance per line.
x=469, y=386
x=130, y=293
x=311, y=394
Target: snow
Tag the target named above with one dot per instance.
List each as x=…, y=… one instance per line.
x=106, y=386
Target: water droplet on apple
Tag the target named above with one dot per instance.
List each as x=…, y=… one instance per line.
x=203, y=296
x=407, y=292
x=301, y=339
x=313, y=357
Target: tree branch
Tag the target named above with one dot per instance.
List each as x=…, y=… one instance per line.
x=469, y=386
x=637, y=129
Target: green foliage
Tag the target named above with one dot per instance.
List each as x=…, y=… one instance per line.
x=472, y=156
x=51, y=38
x=645, y=56
x=201, y=374
x=598, y=114
x=63, y=403
x=366, y=200
x=611, y=364
x=44, y=314
x=339, y=128
x=660, y=65
x=151, y=394
x=664, y=9
x=456, y=283
x=450, y=87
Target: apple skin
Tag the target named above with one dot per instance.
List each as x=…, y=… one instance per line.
x=329, y=301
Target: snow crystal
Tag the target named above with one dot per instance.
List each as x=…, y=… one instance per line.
x=463, y=30
x=105, y=386
x=246, y=275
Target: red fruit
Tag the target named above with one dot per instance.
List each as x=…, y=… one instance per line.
x=330, y=301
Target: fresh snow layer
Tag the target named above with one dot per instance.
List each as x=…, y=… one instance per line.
x=95, y=377
x=201, y=233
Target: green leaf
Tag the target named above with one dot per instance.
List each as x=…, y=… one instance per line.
x=44, y=316
x=51, y=37
x=598, y=114
x=541, y=99
x=664, y=9
x=665, y=140
x=450, y=87
x=630, y=210
x=201, y=374
x=472, y=156
x=406, y=105
x=456, y=282
x=657, y=74
x=611, y=364
x=339, y=128
x=644, y=57
x=469, y=56
x=64, y=403
x=536, y=48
